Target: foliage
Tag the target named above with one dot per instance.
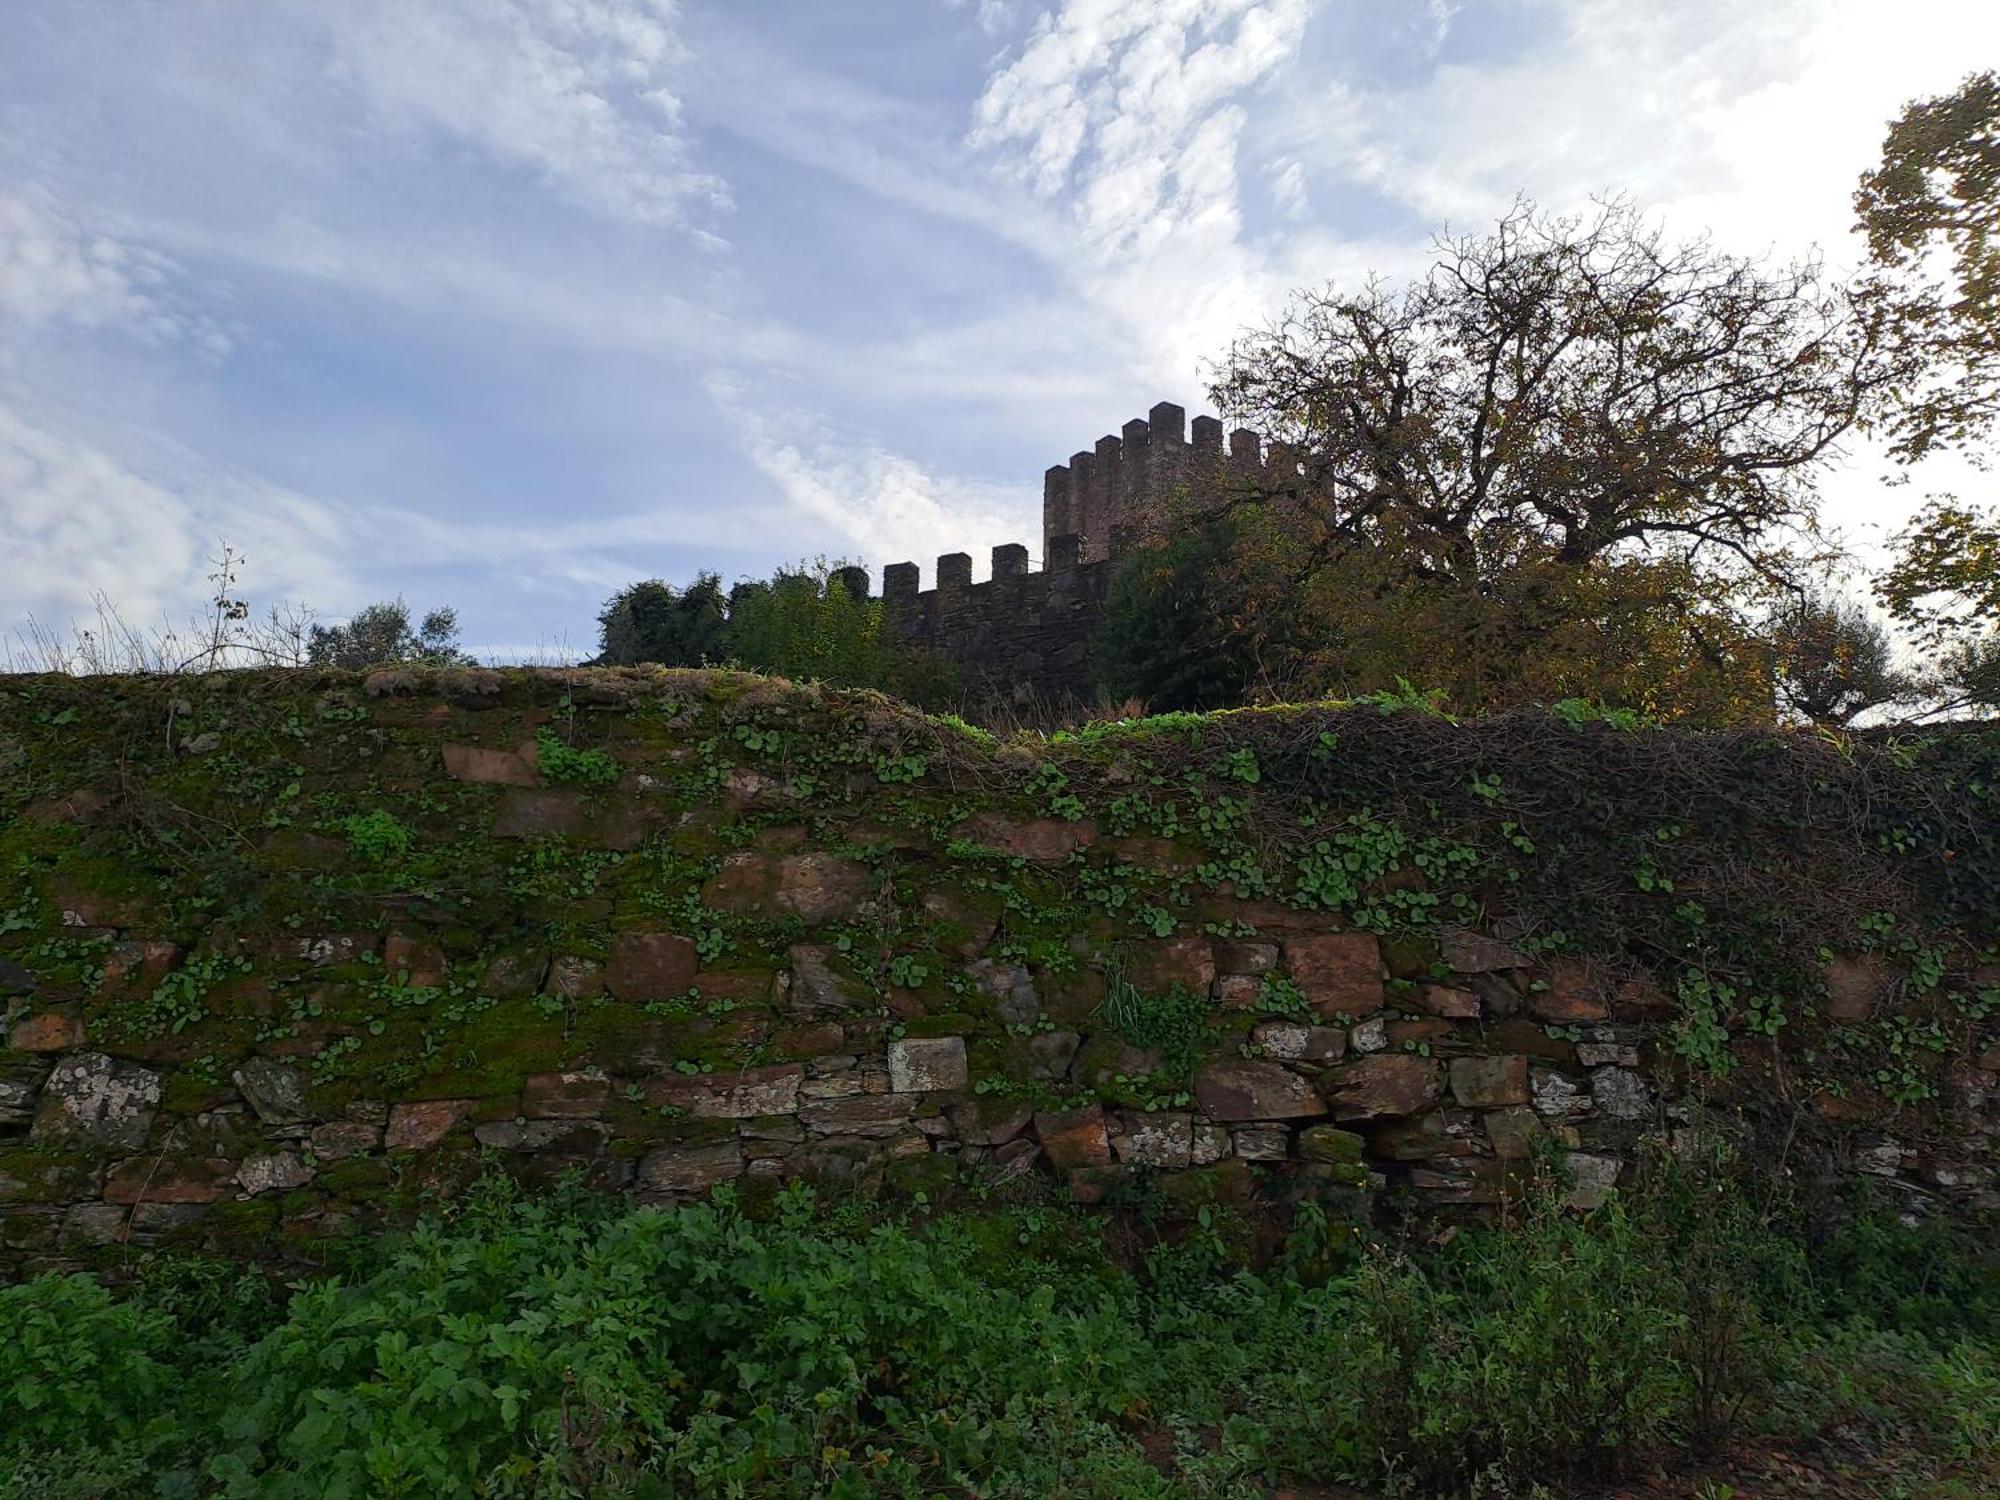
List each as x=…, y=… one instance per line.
x=810, y=622
x=377, y=836
x=653, y=621
x=1169, y=634
x=1563, y=390
x=382, y=634
x=1834, y=662
x=1943, y=583
x=561, y=762
x=570, y=1346
x=1934, y=201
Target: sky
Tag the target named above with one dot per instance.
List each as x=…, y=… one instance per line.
x=504, y=304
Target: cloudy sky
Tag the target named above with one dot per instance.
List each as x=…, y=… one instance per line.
x=505, y=303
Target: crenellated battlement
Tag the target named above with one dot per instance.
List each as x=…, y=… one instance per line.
x=1024, y=630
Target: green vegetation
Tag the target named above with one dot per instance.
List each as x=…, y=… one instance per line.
x=570, y=1346
x=813, y=622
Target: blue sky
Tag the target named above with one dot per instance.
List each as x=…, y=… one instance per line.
x=505, y=303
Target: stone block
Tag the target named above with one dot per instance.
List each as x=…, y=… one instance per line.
x=673, y=1171
x=1044, y=841
x=565, y=1096
x=1260, y=1142
x=650, y=966
x=1163, y=1139
x=1468, y=952
x=1620, y=1094
x=1073, y=1138
x=340, y=1139
x=1490, y=1082
x=1448, y=1001
x=423, y=1123
x=989, y=1120
x=494, y=767
x=1158, y=965
x=1384, y=1086
x=412, y=960
x=1340, y=972
x=867, y=1115
x=1857, y=987
x=90, y=1099
x=1009, y=987
x=813, y=887
x=928, y=1065
x=274, y=1091
x=152, y=1179
x=1236, y=956
x=742, y=1094
x=1571, y=995
x=273, y=1172
x=1513, y=1132
x=49, y=1031
x=1233, y=1089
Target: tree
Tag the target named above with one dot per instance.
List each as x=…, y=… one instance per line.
x=1834, y=662
x=382, y=633
x=1931, y=212
x=655, y=622
x=1943, y=584
x=1565, y=389
x=1170, y=634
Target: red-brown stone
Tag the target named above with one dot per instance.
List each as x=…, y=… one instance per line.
x=1384, y=1086
x=1340, y=972
x=148, y=1179
x=420, y=1125
x=1241, y=1088
x=651, y=966
x=1074, y=1138
x=1573, y=995
x=51, y=1031
x=477, y=763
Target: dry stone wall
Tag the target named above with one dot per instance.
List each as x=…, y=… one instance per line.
x=280, y=956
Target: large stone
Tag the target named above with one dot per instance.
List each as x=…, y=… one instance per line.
x=1072, y=1138
x=1432, y=1136
x=814, y=887
x=869, y=1115
x=1448, y=1001
x=19, y=1087
x=273, y=1090
x=1571, y=995
x=535, y=813
x=1489, y=1082
x=51, y=1031
x=149, y=1179
x=414, y=961
x=928, y=1065
x=565, y=1096
x=1340, y=972
x=340, y=1139
x=574, y=977
x=1235, y=956
x=989, y=1120
x=423, y=1123
x=1009, y=987
x=1467, y=952
x=650, y=966
x=676, y=1170
x=1163, y=1140
x=1620, y=1094
x=1592, y=1177
x=477, y=763
x=273, y=1172
x=744, y=1094
x=1046, y=841
x=90, y=1099
x=1158, y=965
x=1051, y=1054
x=1513, y=1132
x=1384, y=1086
x=1234, y=1088
x=1331, y=1145
x=1857, y=987
x=816, y=989
x=515, y=975
x=1294, y=1041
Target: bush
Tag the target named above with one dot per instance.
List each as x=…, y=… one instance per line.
x=574, y=1346
x=382, y=634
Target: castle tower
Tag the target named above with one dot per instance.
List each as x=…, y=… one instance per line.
x=1117, y=496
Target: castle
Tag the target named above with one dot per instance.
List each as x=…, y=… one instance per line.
x=1026, y=634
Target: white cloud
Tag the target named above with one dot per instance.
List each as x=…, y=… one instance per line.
x=55, y=271
x=882, y=504
x=578, y=92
